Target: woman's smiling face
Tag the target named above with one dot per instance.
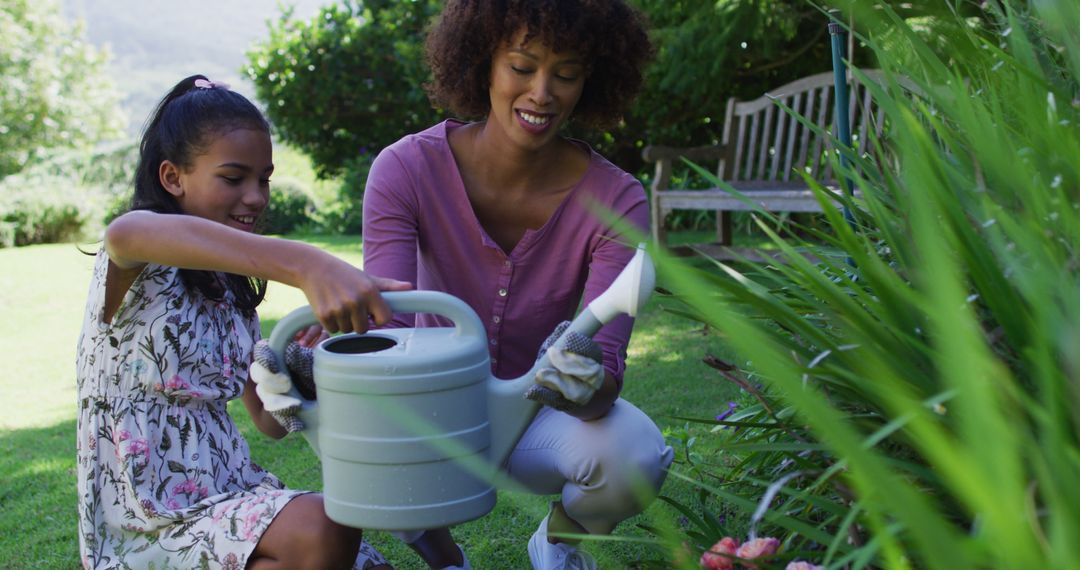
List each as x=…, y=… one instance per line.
x=533, y=90
x=229, y=183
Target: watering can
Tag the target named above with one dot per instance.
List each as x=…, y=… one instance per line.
x=410, y=424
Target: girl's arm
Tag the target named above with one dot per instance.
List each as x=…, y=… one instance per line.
x=262, y=418
x=341, y=295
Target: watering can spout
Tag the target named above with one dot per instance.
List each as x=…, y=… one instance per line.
x=510, y=412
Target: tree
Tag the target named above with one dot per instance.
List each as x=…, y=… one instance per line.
x=348, y=82
x=54, y=91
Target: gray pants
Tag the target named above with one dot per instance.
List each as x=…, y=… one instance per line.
x=607, y=470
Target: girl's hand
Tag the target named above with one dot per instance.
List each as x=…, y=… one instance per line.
x=343, y=297
x=311, y=336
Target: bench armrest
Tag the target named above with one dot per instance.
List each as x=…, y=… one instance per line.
x=653, y=153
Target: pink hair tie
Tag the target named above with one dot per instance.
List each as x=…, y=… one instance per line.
x=207, y=84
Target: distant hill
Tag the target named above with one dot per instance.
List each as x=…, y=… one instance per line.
x=155, y=43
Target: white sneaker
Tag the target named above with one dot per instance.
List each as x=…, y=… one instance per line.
x=559, y=556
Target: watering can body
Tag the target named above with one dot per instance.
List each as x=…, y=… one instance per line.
x=410, y=424
x=401, y=424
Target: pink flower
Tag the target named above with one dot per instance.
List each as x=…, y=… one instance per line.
x=757, y=548
x=176, y=383
x=802, y=565
x=719, y=557
x=188, y=486
x=138, y=447
x=230, y=562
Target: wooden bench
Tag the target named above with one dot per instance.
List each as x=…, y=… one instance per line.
x=761, y=153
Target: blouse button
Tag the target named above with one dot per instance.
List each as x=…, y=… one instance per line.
x=502, y=292
x=496, y=319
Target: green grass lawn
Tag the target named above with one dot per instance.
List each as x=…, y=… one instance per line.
x=42, y=296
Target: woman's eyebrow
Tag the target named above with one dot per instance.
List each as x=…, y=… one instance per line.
x=530, y=55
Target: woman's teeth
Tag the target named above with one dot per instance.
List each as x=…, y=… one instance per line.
x=533, y=119
x=244, y=219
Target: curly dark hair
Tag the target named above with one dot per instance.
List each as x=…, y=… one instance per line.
x=610, y=35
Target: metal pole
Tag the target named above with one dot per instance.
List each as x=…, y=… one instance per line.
x=840, y=84
x=837, y=35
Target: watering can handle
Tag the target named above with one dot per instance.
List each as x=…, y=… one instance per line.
x=466, y=323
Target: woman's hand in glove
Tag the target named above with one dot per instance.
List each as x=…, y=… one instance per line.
x=574, y=372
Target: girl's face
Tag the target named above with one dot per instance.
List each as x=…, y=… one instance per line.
x=533, y=90
x=229, y=183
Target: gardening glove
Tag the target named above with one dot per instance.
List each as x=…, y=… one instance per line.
x=273, y=384
x=574, y=372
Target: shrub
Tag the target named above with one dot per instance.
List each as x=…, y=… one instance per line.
x=45, y=210
x=67, y=196
x=290, y=207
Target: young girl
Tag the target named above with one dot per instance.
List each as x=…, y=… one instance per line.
x=165, y=479
x=499, y=212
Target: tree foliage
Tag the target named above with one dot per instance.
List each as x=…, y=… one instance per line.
x=54, y=90
x=347, y=82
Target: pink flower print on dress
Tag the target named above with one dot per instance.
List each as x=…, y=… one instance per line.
x=757, y=548
x=136, y=450
x=226, y=366
x=719, y=557
x=176, y=383
x=251, y=521
x=802, y=565
x=186, y=487
x=230, y=562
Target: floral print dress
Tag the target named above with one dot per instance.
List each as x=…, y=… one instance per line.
x=165, y=480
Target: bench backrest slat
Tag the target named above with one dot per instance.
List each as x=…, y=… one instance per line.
x=789, y=152
x=763, y=147
x=768, y=144
x=804, y=133
x=817, y=155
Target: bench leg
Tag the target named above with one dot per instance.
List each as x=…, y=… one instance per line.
x=656, y=223
x=724, y=226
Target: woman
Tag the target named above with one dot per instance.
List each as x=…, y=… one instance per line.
x=503, y=214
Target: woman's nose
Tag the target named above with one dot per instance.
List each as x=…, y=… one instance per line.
x=540, y=92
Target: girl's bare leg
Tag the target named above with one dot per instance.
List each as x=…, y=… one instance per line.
x=302, y=536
